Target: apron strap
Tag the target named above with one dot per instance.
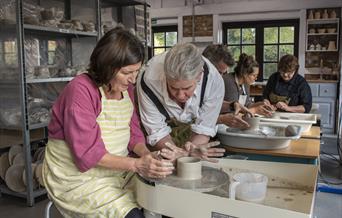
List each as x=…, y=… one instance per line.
x=159, y=105
x=204, y=83
x=154, y=98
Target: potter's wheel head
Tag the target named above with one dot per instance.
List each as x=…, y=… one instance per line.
x=212, y=179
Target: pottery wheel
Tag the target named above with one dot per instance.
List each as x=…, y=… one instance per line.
x=212, y=179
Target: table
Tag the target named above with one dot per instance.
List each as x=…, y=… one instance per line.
x=314, y=133
x=303, y=150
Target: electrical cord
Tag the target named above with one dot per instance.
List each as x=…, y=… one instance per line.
x=331, y=156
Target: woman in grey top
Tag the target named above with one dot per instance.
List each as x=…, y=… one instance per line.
x=237, y=85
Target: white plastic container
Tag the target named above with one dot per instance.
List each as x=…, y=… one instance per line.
x=267, y=138
x=249, y=187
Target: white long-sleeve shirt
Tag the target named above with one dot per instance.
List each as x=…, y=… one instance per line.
x=205, y=117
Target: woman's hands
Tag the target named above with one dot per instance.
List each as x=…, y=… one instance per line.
x=153, y=166
x=232, y=120
x=263, y=108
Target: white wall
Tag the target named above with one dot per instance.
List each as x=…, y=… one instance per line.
x=171, y=12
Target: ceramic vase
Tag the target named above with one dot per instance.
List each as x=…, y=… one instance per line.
x=332, y=46
x=311, y=15
x=325, y=14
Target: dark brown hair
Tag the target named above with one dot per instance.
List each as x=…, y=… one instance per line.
x=288, y=63
x=116, y=49
x=217, y=53
x=245, y=65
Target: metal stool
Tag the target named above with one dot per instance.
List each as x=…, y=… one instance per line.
x=47, y=209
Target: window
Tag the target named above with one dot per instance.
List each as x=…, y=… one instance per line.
x=268, y=41
x=164, y=37
x=52, y=45
x=8, y=50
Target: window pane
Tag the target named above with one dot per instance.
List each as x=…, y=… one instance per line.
x=249, y=49
x=285, y=49
x=10, y=47
x=287, y=34
x=248, y=36
x=270, y=53
x=269, y=68
x=270, y=35
x=233, y=36
x=10, y=58
x=158, y=51
x=51, y=45
x=171, y=38
x=235, y=51
x=158, y=39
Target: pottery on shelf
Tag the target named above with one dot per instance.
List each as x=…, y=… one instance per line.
x=331, y=30
x=325, y=14
x=311, y=15
x=332, y=46
x=318, y=47
x=312, y=47
x=317, y=15
x=332, y=14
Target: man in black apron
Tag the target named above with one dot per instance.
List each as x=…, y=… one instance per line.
x=180, y=95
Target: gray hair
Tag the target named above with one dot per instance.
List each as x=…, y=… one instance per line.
x=183, y=62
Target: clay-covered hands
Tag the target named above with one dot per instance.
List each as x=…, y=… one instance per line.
x=239, y=108
x=152, y=166
x=234, y=121
x=172, y=152
x=205, y=151
x=283, y=106
x=264, y=108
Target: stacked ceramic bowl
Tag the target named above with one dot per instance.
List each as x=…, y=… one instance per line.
x=12, y=168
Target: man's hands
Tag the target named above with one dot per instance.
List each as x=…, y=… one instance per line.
x=172, y=152
x=205, y=151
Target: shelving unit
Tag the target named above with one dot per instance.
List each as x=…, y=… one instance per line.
x=322, y=41
x=315, y=38
x=133, y=14
x=35, y=70
x=322, y=61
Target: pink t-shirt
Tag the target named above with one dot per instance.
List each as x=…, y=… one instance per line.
x=73, y=120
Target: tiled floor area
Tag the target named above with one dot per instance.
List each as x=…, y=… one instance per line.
x=327, y=205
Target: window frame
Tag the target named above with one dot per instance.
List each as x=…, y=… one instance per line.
x=259, y=37
x=163, y=29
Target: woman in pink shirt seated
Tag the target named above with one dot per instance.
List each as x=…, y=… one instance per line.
x=93, y=128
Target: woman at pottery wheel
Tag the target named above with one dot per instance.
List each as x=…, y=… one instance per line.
x=93, y=126
x=180, y=96
x=237, y=86
x=286, y=89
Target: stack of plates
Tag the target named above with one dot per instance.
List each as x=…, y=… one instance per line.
x=12, y=168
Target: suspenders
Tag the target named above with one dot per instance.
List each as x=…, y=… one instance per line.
x=159, y=105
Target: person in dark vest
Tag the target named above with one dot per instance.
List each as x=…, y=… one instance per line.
x=286, y=89
x=180, y=96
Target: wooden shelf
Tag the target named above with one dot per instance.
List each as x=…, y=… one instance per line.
x=44, y=29
x=322, y=21
x=321, y=34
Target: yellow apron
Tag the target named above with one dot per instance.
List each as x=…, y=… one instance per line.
x=97, y=192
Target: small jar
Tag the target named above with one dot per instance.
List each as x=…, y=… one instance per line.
x=333, y=14
x=325, y=14
x=311, y=15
